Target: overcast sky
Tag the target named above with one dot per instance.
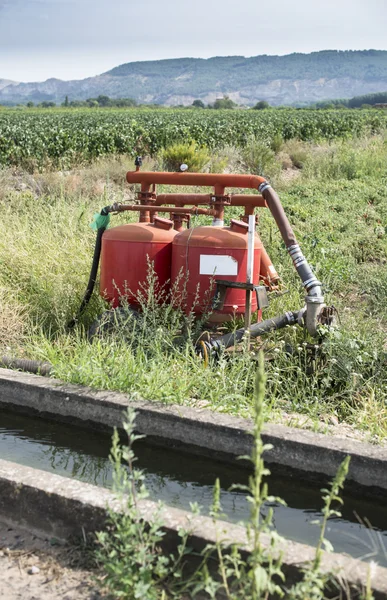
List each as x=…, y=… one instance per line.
x=73, y=39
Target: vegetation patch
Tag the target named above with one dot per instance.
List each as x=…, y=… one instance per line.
x=338, y=207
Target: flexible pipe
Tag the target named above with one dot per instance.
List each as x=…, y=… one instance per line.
x=256, y=330
x=94, y=270
x=314, y=299
x=23, y=364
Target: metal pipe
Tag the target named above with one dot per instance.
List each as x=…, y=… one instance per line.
x=164, y=209
x=251, y=200
x=249, y=270
x=144, y=215
x=220, y=180
x=256, y=330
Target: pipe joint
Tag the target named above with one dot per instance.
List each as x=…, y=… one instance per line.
x=314, y=307
x=264, y=186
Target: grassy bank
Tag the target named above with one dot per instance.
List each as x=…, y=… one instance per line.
x=335, y=196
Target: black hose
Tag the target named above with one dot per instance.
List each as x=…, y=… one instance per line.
x=23, y=364
x=93, y=273
x=256, y=330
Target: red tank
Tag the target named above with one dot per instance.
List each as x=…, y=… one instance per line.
x=126, y=252
x=208, y=253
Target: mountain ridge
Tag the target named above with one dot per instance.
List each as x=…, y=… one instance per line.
x=295, y=78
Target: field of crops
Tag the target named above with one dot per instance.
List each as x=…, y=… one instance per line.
x=63, y=138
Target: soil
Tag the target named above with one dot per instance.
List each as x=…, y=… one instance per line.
x=60, y=568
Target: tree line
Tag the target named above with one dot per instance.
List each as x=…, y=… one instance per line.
x=364, y=101
x=106, y=101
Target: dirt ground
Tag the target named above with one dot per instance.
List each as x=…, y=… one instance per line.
x=58, y=576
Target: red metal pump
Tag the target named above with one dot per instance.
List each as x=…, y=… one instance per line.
x=223, y=264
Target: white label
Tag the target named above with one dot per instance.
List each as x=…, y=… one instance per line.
x=218, y=264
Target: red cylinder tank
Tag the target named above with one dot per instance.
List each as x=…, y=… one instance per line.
x=208, y=253
x=125, y=255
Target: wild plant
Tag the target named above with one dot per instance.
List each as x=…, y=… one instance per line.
x=314, y=581
x=259, y=576
x=134, y=566
x=130, y=550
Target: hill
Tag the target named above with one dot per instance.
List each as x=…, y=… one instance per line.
x=5, y=82
x=297, y=79
x=355, y=102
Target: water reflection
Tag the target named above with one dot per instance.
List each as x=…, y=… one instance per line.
x=179, y=479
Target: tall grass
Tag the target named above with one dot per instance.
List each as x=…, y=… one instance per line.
x=45, y=256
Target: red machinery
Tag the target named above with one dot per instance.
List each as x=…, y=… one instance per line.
x=211, y=254
x=127, y=251
x=225, y=263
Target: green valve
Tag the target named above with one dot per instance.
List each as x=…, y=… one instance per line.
x=100, y=221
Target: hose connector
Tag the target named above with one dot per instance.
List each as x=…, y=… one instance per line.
x=314, y=307
x=314, y=299
x=264, y=186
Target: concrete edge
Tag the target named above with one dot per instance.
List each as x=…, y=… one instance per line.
x=62, y=507
x=310, y=455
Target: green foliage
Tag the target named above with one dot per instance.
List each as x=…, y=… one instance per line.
x=314, y=582
x=341, y=223
x=276, y=143
x=61, y=138
x=47, y=104
x=260, y=576
x=261, y=105
x=297, y=152
x=129, y=550
x=257, y=157
x=135, y=565
x=190, y=154
x=223, y=103
x=364, y=101
x=198, y=104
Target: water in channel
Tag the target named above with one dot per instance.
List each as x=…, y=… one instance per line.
x=179, y=479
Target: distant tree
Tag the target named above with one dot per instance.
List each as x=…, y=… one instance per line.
x=103, y=100
x=262, y=104
x=66, y=101
x=77, y=103
x=123, y=102
x=30, y=104
x=224, y=102
x=47, y=104
x=198, y=104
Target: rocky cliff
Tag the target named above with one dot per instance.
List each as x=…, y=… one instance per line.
x=295, y=79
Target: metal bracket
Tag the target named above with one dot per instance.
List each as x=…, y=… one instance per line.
x=148, y=196
x=222, y=286
x=226, y=200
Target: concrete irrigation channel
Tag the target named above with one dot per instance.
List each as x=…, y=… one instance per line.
x=55, y=474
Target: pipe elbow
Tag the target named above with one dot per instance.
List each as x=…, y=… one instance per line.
x=314, y=307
